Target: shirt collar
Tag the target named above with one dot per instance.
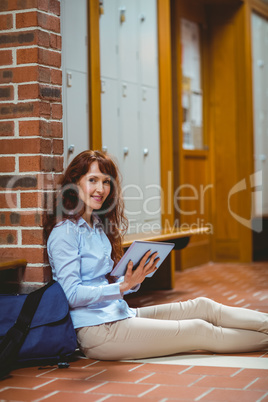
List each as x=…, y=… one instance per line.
x=96, y=221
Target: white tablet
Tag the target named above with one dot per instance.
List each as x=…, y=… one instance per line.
x=137, y=250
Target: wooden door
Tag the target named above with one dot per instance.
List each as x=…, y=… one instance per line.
x=192, y=180
x=230, y=125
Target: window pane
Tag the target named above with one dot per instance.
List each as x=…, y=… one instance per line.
x=192, y=97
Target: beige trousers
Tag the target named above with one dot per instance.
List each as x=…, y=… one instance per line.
x=199, y=324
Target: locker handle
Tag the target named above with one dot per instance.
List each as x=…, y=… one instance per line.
x=142, y=17
x=124, y=90
x=103, y=86
x=122, y=11
x=71, y=149
x=104, y=149
x=125, y=151
x=145, y=151
x=69, y=79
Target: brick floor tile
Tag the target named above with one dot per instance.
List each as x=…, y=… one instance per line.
x=132, y=399
x=22, y=382
x=253, y=373
x=162, y=368
x=261, y=384
x=21, y=395
x=231, y=395
x=32, y=371
x=176, y=392
x=224, y=382
x=116, y=365
x=171, y=379
x=72, y=373
x=69, y=385
x=72, y=397
x=119, y=375
x=117, y=388
x=219, y=371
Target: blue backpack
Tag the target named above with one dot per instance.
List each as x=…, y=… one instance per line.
x=36, y=328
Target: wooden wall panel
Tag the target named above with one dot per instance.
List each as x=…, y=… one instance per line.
x=225, y=126
x=192, y=197
x=230, y=131
x=195, y=207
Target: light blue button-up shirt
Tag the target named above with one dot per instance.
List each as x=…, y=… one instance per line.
x=80, y=257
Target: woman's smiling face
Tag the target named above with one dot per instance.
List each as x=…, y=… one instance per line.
x=94, y=187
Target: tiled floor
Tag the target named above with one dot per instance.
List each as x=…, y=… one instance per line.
x=186, y=377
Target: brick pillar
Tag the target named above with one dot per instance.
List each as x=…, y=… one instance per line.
x=31, y=143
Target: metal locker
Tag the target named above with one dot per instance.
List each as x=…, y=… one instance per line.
x=109, y=39
x=109, y=117
x=77, y=115
x=148, y=52
x=128, y=40
x=129, y=149
x=150, y=154
x=75, y=81
x=135, y=129
x=74, y=24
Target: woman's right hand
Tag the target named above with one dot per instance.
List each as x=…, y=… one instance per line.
x=134, y=278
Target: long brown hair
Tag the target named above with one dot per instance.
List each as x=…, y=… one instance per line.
x=68, y=205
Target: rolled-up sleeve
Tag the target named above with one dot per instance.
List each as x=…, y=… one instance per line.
x=132, y=290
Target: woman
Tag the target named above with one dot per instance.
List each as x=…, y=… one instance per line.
x=84, y=243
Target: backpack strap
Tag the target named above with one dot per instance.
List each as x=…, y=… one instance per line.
x=15, y=336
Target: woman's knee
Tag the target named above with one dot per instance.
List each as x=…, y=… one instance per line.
x=208, y=309
x=206, y=303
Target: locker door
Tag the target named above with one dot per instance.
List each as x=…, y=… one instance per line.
x=150, y=155
x=77, y=115
x=129, y=149
x=128, y=40
x=109, y=117
x=75, y=82
x=148, y=42
x=109, y=39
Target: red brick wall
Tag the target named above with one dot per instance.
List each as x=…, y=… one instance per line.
x=31, y=144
